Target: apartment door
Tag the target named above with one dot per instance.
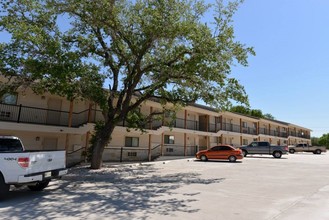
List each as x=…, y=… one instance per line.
x=53, y=113
x=50, y=144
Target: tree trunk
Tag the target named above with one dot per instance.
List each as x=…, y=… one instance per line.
x=97, y=154
x=102, y=139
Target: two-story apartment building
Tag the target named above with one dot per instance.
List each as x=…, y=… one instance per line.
x=48, y=122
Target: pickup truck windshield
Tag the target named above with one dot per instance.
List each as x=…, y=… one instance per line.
x=12, y=145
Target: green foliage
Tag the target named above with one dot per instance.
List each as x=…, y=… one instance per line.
x=269, y=116
x=251, y=112
x=315, y=141
x=324, y=140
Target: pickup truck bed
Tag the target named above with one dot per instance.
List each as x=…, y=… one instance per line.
x=32, y=168
x=307, y=148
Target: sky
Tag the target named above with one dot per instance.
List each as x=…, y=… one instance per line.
x=289, y=76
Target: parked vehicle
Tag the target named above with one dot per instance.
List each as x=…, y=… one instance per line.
x=224, y=152
x=306, y=148
x=263, y=147
x=32, y=168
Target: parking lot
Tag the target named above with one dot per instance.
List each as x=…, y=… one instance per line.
x=260, y=187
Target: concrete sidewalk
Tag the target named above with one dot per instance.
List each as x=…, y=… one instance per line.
x=259, y=187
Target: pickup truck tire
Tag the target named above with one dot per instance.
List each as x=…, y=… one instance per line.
x=244, y=153
x=203, y=158
x=232, y=158
x=292, y=151
x=277, y=154
x=317, y=151
x=4, y=188
x=39, y=186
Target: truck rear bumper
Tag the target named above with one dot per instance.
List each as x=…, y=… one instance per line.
x=46, y=175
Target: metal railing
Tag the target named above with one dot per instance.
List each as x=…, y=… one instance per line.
x=42, y=116
x=231, y=127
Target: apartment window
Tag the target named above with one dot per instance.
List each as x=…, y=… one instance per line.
x=244, y=124
x=132, y=154
x=169, y=150
x=245, y=141
x=169, y=139
x=255, y=139
x=132, y=142
x=9, y=98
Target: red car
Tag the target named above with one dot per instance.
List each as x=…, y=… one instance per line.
x=224, y=152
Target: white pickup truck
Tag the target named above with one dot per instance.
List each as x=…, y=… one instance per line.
x=307, y=148
x=32, y=168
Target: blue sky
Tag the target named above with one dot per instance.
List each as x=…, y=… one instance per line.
x=289, y=75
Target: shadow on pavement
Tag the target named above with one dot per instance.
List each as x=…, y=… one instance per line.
x=129, y=192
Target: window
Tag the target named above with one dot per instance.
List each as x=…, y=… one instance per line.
x=10, y=145
x=216, y=148
x=132, y=154
x=169, y=150
x=245, y=141
x=132, y=142
x=244, y=124
x=225, y=148
x=8, y=98
x=169, y=139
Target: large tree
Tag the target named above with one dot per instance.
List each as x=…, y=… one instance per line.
x=138, y=49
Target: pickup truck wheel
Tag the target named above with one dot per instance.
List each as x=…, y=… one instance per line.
x=39, y=186
x=4, y=188
x=232, y=158
x=244, y=153
x=292, y=151
x=318, y=151
x=277, y=154
x=203, y=158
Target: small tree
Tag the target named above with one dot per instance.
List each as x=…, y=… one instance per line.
x=140, y=49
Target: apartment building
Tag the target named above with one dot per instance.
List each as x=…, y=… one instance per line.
x=49, y=122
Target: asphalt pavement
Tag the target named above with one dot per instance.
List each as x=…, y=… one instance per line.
x=260, y=187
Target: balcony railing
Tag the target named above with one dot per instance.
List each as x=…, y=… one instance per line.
x=32, y=115
x=42, y=116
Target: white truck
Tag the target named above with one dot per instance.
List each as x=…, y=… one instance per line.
x=32, y=168
x=306, y=148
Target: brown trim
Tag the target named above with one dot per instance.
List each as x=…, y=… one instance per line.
x=149, y=150
x=70, y=114
x=185, y=147
x=162, y=143
x=221, y=122
x=185, y=119
x=151, y=110
x=89, y=112
x=67, y=141
x=207, y=123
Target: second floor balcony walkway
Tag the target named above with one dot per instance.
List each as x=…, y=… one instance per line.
x=42, y=116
